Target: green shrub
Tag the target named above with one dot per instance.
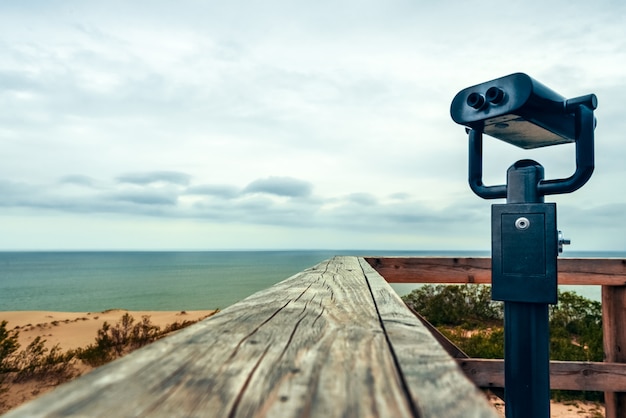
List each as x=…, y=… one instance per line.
x=479, y=343
x=99, y=353
x=467, y=305
x=38, y=362
x=125, y=336
x=114, y=341
x=8, y=346
x=466, y=315
x=144, y=333
x=51, y=367
x=576, y=328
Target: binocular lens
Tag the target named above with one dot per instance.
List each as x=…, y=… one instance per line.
x=475, y=100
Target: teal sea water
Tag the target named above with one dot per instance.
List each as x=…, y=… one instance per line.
x=95, y=281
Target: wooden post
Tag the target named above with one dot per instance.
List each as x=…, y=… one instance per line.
x=614, y=329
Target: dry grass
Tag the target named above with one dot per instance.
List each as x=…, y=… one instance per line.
x=36, y=369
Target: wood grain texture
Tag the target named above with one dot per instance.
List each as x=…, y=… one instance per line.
x=571, y=271
x=432, y=269
x=323, y=343
x=564, y=375
x=452, y=349
x=614, y=339
x=432, y=377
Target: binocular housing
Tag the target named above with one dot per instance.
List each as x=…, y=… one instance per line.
x=519, y=110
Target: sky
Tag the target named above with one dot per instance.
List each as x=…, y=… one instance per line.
x=212, y=125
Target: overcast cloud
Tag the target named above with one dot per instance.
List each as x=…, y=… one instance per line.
x=281, y=124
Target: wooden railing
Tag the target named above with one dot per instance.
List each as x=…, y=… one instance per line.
x=335, y=340
x=332, y=341
x=609, y=376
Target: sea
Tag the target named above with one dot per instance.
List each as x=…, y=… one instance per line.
x=86, y=281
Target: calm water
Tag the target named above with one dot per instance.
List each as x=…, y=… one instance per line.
x=95, y=281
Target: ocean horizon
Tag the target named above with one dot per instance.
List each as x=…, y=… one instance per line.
x=93, y=281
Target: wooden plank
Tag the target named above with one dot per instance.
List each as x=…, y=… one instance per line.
x=564, y=375
x=435, y=383
x=485, y=373
x=460, y=270
x=432, y=269
x=614, y=337
x=313, y=345
x=452, y=349
x=570, y=375
x=592, y=271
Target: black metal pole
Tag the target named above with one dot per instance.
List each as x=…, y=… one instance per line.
x=526, y=330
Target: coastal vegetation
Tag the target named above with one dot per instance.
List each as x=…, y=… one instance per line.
x=468, y=317
x=46, y=367
x=125, y=336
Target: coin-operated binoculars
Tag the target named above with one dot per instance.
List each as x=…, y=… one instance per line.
x=525, y=241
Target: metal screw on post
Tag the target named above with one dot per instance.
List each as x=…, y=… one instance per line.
x=525, y=241
x=522, y=223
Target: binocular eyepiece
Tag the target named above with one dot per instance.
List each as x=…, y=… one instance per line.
x=494, y=95
x=519, y=110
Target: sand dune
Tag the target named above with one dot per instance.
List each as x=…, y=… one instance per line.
x=71, y=330
x=78, y=329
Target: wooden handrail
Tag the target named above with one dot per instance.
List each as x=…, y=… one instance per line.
x=564, y=375
x=329, y=341
x=572, y=271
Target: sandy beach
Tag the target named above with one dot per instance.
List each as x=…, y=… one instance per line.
x=78, y=329
x=72, y=330
x=568, y=409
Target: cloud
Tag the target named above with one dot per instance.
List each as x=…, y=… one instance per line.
x=218, y=190
x=145, y=197
x=348, y=104
x=256, y=204
x=364, y=199
x=399, y=196
x=280, y=186
x=355, y=213
x=600, y=215
x=16, y=194
x=172, y=177
x=13, y=81
x=78, y=180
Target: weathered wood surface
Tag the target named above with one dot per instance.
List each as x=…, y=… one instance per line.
x=571, y=271
x=564, y=375
x=614, y=338
x=454, y=351
x=331, y=341
x=426, y=369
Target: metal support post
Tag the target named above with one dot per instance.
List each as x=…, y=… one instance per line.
x=526, y=330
